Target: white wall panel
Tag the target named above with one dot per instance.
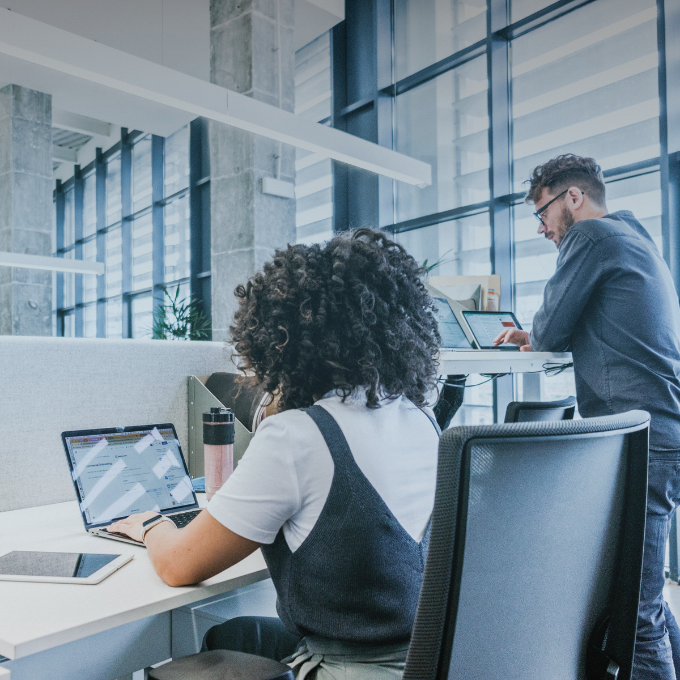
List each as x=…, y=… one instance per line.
x=49, y=385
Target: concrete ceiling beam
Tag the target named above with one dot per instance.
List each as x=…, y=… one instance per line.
x=62, y=154
x=74, y=122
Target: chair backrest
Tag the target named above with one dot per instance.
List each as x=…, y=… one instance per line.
x=535, y=411
x=537, y=532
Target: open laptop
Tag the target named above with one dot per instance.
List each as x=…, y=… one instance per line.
x=450, y=331
x=124, y=470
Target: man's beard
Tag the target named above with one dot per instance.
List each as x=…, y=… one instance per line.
x=566, y=220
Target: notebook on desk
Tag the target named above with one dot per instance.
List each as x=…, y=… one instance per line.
x=120, y=471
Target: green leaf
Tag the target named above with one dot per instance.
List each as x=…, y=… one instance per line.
x=177, y=319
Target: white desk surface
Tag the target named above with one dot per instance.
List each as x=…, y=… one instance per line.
x=460, y=362
x=39, y=616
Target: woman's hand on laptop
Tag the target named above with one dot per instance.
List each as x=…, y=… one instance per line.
x=132, y=526
x=514, y=336
x=191, y=554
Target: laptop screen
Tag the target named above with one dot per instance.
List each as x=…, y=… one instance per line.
x=449, y=329
x=118, y=472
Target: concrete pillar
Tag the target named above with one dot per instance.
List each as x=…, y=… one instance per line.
x=25, y=208
x=252, y=53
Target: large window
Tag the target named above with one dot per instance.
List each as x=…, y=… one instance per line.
x=581, y=81
x=131, y=210
x=445, y=122
x=587, y=83
x=313, y=173
x=460, y=247
x=428, y=31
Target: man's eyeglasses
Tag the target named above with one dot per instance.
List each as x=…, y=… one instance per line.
x=538, y=213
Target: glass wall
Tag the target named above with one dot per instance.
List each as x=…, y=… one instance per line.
x=429, y=31
x=143, y=236
x=445, y=123
x=587, y=83
x=459, y=247
x=582, y=81
x=313, y=173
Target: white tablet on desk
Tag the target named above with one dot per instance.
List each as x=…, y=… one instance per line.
x=59, y=567
x=487, y=326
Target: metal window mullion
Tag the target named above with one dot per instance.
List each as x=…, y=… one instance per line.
x=384, y=104
x=437, y=69
x=338, y=121
x=78, y=194
x=669, y=131
x=126, y=228
x=158, y=248
x=500, y=175
x=100, y=203
x=199, y=215
x=668, y=25
x=60, y=208
x=544, y=16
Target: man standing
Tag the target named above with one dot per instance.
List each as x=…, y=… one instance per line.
x=612, y=303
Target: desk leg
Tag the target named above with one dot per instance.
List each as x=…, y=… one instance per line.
x=450, y=399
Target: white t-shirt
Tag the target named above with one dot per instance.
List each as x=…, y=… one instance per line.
x=285, y=475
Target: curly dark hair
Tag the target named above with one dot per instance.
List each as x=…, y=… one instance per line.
x=353, y=312
x=566, y=171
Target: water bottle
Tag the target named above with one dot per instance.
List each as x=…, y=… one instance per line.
x=218, y=448
x=491, y=301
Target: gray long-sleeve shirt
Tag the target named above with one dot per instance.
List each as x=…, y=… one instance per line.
x=612, y=303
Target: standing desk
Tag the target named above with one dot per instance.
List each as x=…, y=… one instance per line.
x=457, y=364
x=460, y=362
x=98, y=632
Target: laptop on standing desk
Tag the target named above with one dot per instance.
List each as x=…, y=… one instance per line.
x=120, y=471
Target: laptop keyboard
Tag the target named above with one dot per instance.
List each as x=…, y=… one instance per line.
x=180, y=520
x=183, y=518
x=117, y=533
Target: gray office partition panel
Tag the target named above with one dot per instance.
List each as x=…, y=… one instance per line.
x=560, y=578
x=201, y=400
x=48, y=385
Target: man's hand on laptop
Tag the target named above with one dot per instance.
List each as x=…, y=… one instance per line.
x=514, y=336
x=132, y=526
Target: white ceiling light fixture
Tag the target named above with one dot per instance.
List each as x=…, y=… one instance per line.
x=57, y=264
x=53, y=48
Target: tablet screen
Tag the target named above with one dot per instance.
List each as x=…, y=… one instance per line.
x=449, y=328
x=486, y=326
x=72, y=565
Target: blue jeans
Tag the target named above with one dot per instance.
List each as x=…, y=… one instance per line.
x=657, y=646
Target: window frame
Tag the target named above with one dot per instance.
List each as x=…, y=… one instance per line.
x=198, y=191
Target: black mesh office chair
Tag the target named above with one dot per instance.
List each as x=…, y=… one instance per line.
x=534, y=411
x=537, y=534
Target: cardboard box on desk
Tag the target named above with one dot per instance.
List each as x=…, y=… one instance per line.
x=247, y=401
x=457, y=287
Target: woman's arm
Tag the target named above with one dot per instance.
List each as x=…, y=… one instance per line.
x=189, y=555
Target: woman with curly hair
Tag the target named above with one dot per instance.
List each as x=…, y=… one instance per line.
x=337, y=488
